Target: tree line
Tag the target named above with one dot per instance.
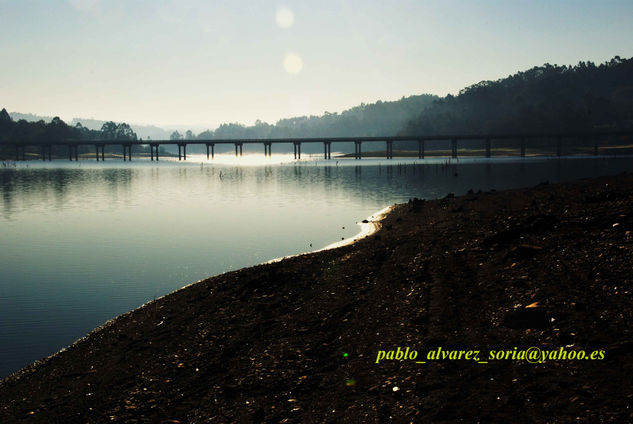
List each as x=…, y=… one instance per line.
x=375, y=119
x=32, y=133
x=58, y=130
x=548, y=98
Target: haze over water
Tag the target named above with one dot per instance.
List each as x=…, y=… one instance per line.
x=84, y=242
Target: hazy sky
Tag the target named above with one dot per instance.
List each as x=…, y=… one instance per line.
x=204, y=62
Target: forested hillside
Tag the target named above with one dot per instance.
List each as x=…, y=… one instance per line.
x=376, y=119
x=544, y=98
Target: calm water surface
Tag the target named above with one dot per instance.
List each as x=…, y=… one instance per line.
x=83, y=242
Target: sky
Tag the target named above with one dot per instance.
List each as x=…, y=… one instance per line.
x=204, y=62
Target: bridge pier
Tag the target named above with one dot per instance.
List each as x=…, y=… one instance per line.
x=559, y=142
x=420, y=149
x=327, y=150
x=454, y=148
x=389, y=149
x=73, y=150
x=100, y=148
x=522, y=147
x=268, y=149
x=153, y=146
x=127, y=150
x=182, y=155
x=44, y=152
x=212, y=150
x=297, y=146
x=357, y=153
x=238, y=147
x=488, y=147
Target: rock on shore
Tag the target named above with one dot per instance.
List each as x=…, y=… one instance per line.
x=297, y=340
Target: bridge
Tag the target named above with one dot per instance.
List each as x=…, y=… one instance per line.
x=525, y=139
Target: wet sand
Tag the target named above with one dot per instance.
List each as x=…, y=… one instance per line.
x=297, y=340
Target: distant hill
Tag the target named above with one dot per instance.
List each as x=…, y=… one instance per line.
x=544, y=98
x=16, y=116
x=375, y=119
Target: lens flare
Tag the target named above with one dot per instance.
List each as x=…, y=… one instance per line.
x=293, y=64
x=285, y=18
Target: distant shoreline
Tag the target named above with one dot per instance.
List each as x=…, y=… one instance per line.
x=497, y=152
x=30, y=156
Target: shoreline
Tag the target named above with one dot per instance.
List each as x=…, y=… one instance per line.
x=367, y=228
x=296, y=340
x=371, y=226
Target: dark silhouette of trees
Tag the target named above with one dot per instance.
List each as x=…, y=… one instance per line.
x=548, y=98
x=5, y=125
x=108, y=130
x=58, y=131
x=124, y=132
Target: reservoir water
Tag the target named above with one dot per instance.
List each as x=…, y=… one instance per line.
x=82, y=242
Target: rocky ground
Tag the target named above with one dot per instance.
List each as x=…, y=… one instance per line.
x=297, y=340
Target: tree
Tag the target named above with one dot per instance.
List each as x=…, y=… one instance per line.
x=6, y=124
x=175, y=136
x=4, y=116
x=108, y=130
x=124, y=132
x=58, y=130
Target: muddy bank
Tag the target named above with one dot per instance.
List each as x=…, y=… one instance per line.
x=297, y=340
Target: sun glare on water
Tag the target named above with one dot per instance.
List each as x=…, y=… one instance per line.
x=248, y=159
